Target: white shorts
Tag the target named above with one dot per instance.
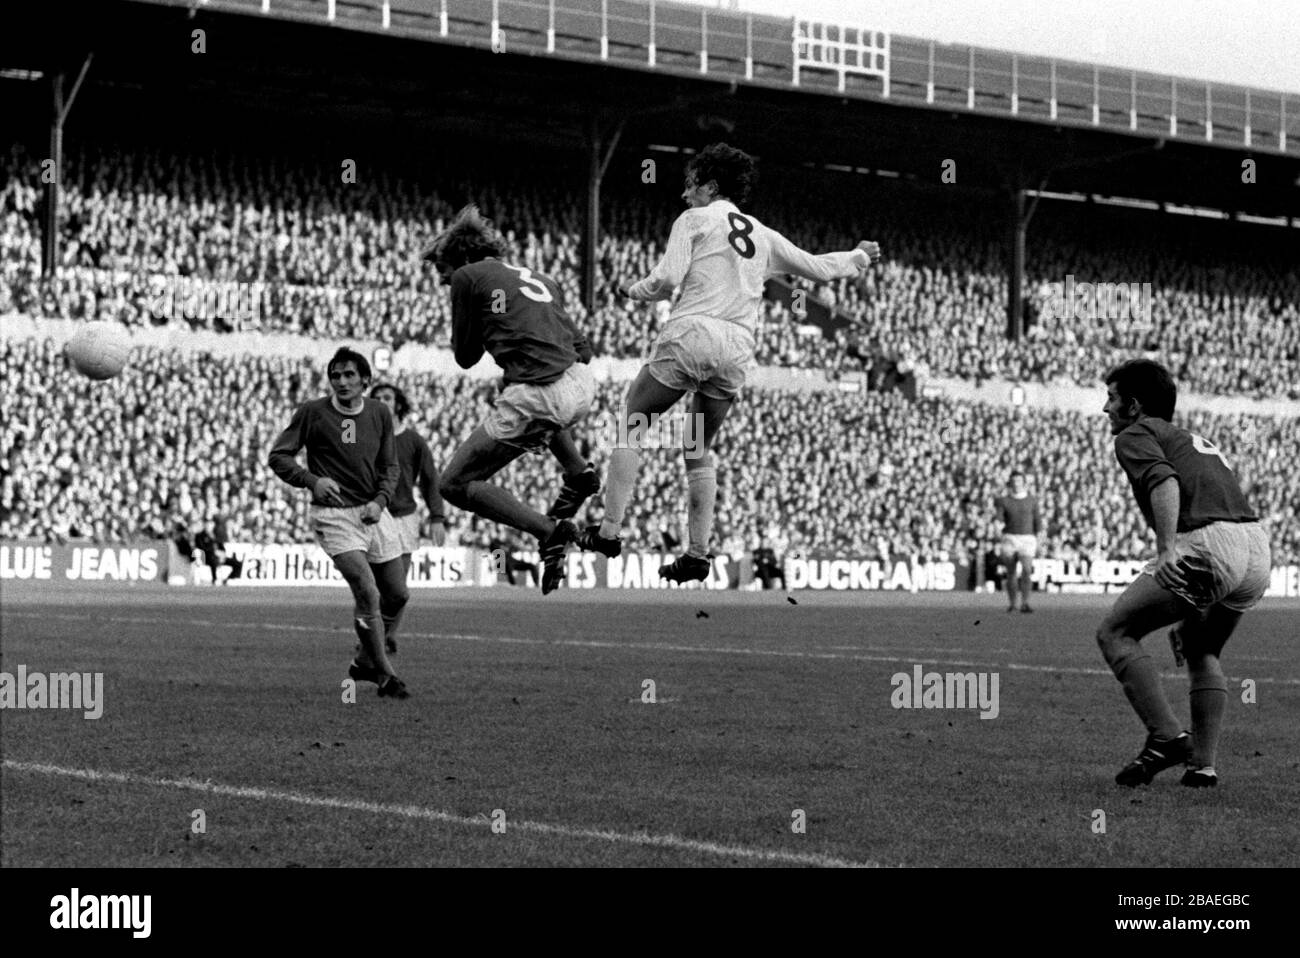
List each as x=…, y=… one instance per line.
x=528, y=415
x=408, y=531
x=1024, y=546
x=339, y=529
x=706, y=356
x=1225, y=563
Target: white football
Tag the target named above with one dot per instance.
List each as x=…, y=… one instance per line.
x=99, y=350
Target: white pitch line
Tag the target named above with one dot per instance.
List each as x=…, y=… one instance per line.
x=661, y=647
x=643, y=839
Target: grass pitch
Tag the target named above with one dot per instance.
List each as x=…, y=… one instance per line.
x=530, y=713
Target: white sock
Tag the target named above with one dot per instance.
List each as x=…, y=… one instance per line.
x=703, y=485
x=624, y=464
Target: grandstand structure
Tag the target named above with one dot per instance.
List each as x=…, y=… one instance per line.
x=851, y=59
x=846, y=95
x=197, y=149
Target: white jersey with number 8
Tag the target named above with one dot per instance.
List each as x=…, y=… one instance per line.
x=720, y=257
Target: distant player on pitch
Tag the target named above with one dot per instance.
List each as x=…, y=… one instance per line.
x=518, y=317
x=720, y=257
x=1212, y=565
x=417, y=470
x=1022, y=524
x=352, y=473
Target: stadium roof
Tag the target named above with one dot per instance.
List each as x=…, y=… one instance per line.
x=433, y=76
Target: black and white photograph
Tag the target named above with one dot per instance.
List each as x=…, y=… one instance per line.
x=650, y=434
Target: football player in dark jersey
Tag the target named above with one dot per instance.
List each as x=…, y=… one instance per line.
x=417, y=471
x=518, y=317
x=352, y=473
x=1212, y=564
x=1022, y=522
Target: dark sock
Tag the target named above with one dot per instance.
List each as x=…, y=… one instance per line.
x=1208, y=706
x=371, y=629
x=1141, y=681
x=391, y=624
x=360, y=654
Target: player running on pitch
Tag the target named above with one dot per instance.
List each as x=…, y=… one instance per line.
x=417, y=469
x=720, y=257
x=1212, y=565
x=1021, y=525
x=518, y=317
x=352, y=472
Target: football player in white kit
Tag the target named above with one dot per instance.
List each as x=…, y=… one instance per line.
x=720, y=256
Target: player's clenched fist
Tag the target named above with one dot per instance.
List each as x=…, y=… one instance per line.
x=371, y=512
x=871, y=249
x=327, y=491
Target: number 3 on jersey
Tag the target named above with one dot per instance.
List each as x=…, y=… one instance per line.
x=531, y=287
x=739, y=235
x=1203, y=445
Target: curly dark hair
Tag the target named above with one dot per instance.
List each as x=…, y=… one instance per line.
x=735, y=171
x=470, y=238
x=401, y=402
x=1149, y=383
x=347, y=355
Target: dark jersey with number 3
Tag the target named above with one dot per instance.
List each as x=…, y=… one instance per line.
x=518, y=317
x=1152, y=450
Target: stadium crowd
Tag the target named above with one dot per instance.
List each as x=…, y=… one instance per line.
x=180, y=440
x=312, y=255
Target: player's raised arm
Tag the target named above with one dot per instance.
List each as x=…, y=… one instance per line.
x=671, y=268
x=785, y=257
x=466, y=335
x=283, y=458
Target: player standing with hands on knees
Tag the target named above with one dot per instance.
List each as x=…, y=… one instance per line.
x=352, y=472
x=720, y=257
x=1212, y=565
